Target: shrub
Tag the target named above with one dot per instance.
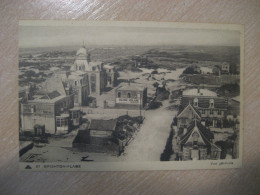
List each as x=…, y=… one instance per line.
x=154, y=105
x=190, y=70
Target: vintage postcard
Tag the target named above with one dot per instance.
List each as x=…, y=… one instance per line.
x=121, y=96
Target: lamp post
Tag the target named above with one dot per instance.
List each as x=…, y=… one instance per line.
x=139, y=94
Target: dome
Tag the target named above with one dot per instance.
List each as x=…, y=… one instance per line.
x=82, y=52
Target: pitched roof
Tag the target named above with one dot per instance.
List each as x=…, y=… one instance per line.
x=53, y=94
x=236, y=99
x=53, y=84
x=206, y=134
x=203, y=102
x=103, y=125
x=199, y=92
x=189, y=106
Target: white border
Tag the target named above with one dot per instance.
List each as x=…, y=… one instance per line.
x=154, y=165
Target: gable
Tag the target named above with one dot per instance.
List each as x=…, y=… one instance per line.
x=200, y=139
x=204, y=133
x=189, y=112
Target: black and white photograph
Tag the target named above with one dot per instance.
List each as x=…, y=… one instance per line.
x=130, y=95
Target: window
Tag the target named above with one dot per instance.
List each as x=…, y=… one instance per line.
x=219, y=112
x=93, y=82
x=60, y=122
x=75, y=114
x=119, y=95
x=211, y=103
x=109, y=80
x=76, y=83
x=195, y=137
x=203, y=111
x=211, y=111
x=128, y=95
x=196, y=102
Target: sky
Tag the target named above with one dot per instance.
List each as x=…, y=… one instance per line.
x=55, y=36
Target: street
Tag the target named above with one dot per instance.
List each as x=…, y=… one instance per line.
x=150, y=141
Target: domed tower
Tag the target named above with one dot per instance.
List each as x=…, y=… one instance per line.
x=82, y=60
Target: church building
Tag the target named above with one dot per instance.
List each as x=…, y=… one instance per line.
x=88, y=78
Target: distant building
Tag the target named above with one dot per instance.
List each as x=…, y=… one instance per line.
x=131, y=97
x=213, y=109
x=196, y=143
x=225, y=68
x=48, y=108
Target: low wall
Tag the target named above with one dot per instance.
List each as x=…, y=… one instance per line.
x=113, y=113
x=92, y=148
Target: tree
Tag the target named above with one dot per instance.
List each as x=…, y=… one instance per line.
x=190, y=70
x=166, y=155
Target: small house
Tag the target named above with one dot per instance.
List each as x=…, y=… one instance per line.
x=102, y=128
x=99, y=137
x=131, y=97
x=196, y=143
x=225, y=68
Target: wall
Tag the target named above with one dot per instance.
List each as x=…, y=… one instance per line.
x=229, y=181
x=30, y=120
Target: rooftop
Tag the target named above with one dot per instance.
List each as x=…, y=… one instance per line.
x=53, y=84
x=82, y=51
x=131, y=88
x=103, y=125
x=199, y=92
x=47, y=98
x=204, y=102
x=205, y=133
x=236, y=99
x=189, y=106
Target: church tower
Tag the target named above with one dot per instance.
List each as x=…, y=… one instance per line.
x=82, y=60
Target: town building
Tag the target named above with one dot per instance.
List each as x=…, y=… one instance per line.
x=47, y=108
x=102, y=128
x=196, y=143
x=131, y=97
x=87, y=78
x=225, y=68
x=98, y=137
x=213, y=109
